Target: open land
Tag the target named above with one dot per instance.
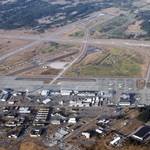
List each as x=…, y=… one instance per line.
x=114, y=28
x=7, y=45
x=135, y=28
x=31, y=146
x=37, y=55
x=111, y=62
x=74, y=34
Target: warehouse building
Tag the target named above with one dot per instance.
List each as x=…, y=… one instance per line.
x=142, y=133
x=36, y=132
x=4, y=96
x=45, y=92
x=125, y=99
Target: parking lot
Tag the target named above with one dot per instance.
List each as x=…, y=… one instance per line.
x=120, y=85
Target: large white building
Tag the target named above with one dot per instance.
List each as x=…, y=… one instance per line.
x=86, y=134
x=24, y=110
x=72, y=120
x=79, y=103
x=45, y=92
x=65, y=92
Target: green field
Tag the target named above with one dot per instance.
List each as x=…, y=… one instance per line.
x=114, y=28
x=118, y=63
x=78, y=34
x=55, y=46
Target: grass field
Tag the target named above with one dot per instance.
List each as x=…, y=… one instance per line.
x=114, y=28
x=142, y=4
x=78, y=34
x=55, y=46
x=111, y=62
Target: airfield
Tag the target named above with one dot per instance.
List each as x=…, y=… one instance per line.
x=30, y=61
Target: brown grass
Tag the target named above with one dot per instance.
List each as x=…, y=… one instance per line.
x=140, y=84
x=113, y=11
x=34, y=53
x=7, y=45
x=1, y=148
x=128, y=125
x=135, y=28
x=41, y=71
x=31, y=146
x=131, y=126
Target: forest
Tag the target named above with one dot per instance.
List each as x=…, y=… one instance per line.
x=26, y=13
x=145, y=25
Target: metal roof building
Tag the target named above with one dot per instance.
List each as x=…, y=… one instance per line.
x=142, y=133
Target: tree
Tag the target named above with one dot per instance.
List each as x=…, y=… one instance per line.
x=145, y=115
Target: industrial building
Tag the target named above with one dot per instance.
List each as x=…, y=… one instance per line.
x=87, y=93
x=36, y=132
x=14, y=134
x=142, y=133
x=65, y=92
x=45, y=92
x=56, y=122
x=24, y=110
x=72, y=120
x=41, y=117
x=125, y=99
x=99, y=131
x=115, y=141
x=79, y=103
x=46, y=101
x=4, y=96
x=86, y=134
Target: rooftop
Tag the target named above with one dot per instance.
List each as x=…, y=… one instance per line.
x=143, y=132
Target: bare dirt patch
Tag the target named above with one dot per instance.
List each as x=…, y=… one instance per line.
x=135, y=28
x=113, y=11
x=29, y=33
x=1, y=148
x=140, y=84
x=41, y=71
x=128, y=124
x=7, y=45
x=31, y=146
